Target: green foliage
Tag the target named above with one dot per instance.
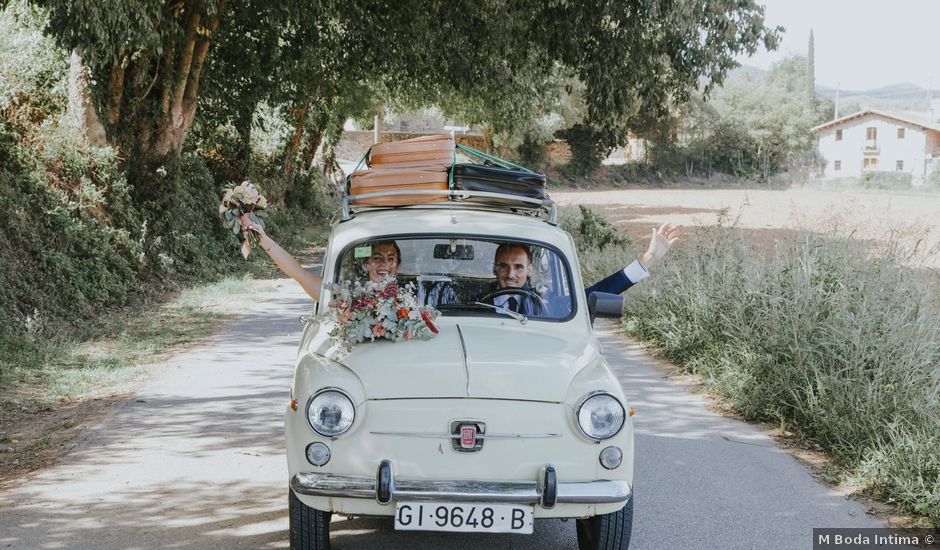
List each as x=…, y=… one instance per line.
x=596, y=231
x=933, y=180
x=531, y=153
x=78, y=240
x=145, y=60
x=587, y=150
x=752, y=127
x=630, y=173
x=601, y=250
x=809, y=83
x=771, y=114
x=833, y=339
x=60, y=257
x=222, y=150
x=32, y=70
x=508, y=64
x=886, y=180
x=181, y=230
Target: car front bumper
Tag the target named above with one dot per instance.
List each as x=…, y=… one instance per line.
x=545, y=491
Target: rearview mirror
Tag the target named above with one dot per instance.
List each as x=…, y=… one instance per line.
x=605, y=305
x=453, y=252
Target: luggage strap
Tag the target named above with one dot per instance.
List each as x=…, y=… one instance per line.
x=358, y=165
x=363, y=159
x=500, y=162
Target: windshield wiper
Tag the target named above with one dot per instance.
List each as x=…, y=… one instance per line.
x=499, y=309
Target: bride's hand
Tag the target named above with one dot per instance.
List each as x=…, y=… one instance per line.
x=248, y=225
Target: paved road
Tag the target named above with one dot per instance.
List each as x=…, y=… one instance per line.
x=196, y=461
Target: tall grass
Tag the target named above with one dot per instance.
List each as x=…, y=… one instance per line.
x=835, y=339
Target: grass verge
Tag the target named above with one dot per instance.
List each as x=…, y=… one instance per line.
x=54, y=385
x=833, y=339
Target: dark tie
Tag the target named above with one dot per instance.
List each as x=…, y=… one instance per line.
x=513, y=304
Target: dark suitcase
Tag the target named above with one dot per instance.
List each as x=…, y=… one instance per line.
x=474, y=177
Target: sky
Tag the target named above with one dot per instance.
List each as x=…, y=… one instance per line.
x=860, y=44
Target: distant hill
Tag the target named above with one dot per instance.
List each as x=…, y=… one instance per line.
x=896, y=97
x=748, y=70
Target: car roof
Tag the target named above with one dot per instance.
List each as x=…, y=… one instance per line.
x=370, y=224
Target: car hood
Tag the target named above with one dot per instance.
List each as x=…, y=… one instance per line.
x=504, y=360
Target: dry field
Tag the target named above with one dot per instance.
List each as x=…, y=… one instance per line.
x=911, y=218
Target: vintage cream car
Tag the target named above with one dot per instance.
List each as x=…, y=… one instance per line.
x=499, y=420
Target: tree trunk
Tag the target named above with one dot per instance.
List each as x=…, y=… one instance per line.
x=377, y=126
x=243, y=126
x=299, y=115
x=179, y=93
x=81, y=109
x=314, y=138
x=333, y=134
x=488, y=139
x=316, y=127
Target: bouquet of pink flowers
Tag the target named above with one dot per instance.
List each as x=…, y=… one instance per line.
x=243, y=199
x=366, y=311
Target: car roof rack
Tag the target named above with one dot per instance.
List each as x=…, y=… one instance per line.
x=452, y=198
x=456, y=200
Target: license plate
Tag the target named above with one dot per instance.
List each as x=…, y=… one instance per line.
x=465, y=518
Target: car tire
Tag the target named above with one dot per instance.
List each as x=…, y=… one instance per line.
x=607, y=531
x=309, y=528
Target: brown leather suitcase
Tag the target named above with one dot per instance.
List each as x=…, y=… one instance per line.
x=398, y=179
x=410, y=153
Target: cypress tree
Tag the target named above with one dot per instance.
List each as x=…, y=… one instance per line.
x=810, y=93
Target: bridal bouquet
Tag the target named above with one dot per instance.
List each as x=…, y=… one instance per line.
x=366, y=311
x=243, y=199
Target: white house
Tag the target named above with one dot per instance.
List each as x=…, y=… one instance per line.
x=881, y=141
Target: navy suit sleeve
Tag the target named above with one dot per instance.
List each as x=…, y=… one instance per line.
x=614, y=283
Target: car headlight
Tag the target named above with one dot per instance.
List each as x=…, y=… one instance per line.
x=601, y=416
x=331, y=413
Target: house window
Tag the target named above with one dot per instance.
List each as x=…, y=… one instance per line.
x=900, y=133
x=837, y=165
x=838, y=135
x=899, y=166
x=870, y=163
x=871, y=134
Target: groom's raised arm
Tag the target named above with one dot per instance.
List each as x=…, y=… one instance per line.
x=661, y=241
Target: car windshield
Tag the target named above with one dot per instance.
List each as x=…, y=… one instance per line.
x=469, y=276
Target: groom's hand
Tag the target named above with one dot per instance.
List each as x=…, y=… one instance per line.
x=661, y=240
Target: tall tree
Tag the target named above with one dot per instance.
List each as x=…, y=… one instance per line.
x=146, y=59
x=810, y=91
x=769, y=113
x=634, y=58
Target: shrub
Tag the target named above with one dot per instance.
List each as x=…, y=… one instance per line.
x=60, y=256
x=832, y=338
x=596, y=231
x=886, y=180
x=587, y=152
x=933, y=180
x=223, y=153
x=33, y=70
x=632, y=173
x=601, y=250
x=531, y=153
